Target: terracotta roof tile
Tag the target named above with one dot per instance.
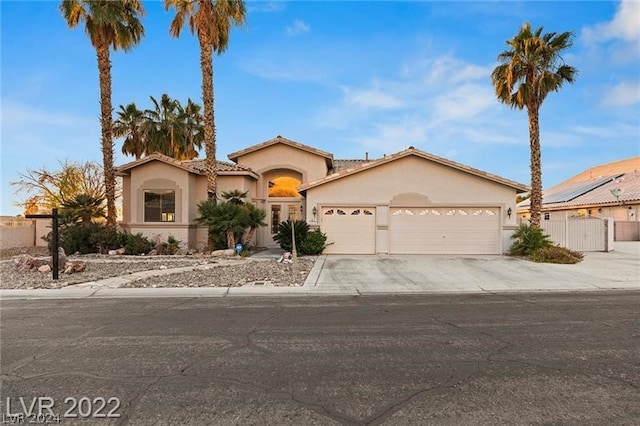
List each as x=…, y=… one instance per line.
x=280, y=139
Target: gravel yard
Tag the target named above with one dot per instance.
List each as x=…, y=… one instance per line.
x=201, y=271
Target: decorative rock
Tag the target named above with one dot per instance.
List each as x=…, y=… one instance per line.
x=153, y=252
x=62, y=259
x=286, y=257
x=74, y=267
x=182, y=252
x=220, y=253
x=163, y=267
x=120, y=251
x=44, y=268
x=112, y=252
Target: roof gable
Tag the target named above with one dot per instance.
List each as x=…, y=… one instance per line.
x=192, y=166
x=366, y=165
x=284, y=141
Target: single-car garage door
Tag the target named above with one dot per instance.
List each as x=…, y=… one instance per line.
x=451, y=230
x=350, y=230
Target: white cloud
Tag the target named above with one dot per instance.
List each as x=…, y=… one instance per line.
x=625, y=25
x=265, y=6
x=462, y=103
x=298, y=27
x=623, y=94
x=371, y=98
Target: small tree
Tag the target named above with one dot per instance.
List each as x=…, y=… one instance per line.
x=226, y=218
x=83, y=208
x=255, y=219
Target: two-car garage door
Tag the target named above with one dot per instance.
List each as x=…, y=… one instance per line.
x=444, y=230
x=414, y=230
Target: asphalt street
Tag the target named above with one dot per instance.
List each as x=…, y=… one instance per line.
x=525, y=358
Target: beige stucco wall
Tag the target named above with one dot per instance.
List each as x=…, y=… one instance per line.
x=190, y=189
x=20, y=234
x=310, y=166
x=412, y=181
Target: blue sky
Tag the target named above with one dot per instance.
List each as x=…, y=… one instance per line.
x=344, y=77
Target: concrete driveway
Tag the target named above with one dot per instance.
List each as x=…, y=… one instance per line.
x=428, y=273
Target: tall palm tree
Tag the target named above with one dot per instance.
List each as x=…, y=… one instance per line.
x=109, y=24
x=130, y=124
x=529, y=70
x=211, y=22
x=163, y=126
x=192, y=127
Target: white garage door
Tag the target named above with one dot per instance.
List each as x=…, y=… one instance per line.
x=444, y=230
x=350, y=230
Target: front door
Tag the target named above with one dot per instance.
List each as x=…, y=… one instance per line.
x=280, y=212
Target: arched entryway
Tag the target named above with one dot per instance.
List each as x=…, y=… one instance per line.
x=283, y=202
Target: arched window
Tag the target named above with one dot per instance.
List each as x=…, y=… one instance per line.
x=284, y=186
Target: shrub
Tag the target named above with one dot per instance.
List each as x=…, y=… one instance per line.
x=76, y=238
x=283, y=237
x=556, y=254
x=106, y=239
x=171, y=246
x=137, y=244
x=527, y=240
x=314, y=242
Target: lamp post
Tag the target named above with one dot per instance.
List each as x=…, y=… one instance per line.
x=294, y=252
x=54, y=238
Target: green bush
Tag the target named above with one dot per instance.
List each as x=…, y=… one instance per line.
x=76, y=238
x=556, y=254
x=283, y=237
x=171, y=246
x=527, y=240
x=314, y=242
x=137, y=244
x=106, y=239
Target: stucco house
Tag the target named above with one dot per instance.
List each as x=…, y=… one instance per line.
x=606, y=190
x=408, y=202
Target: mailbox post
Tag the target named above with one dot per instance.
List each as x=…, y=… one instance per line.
x=54, y=243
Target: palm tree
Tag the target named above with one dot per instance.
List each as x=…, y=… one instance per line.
x=235, y=197
x=255, y=219
x=172, y=129
x=192, y=126
x=108, y=24
x=529, y=70
x=83, y=208
x=130, y=124
x=211, y=22
x=224, y=218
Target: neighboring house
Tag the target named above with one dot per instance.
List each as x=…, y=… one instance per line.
x=408, y=202
x=608, y=190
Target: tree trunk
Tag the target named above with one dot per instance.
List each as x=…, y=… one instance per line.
x=249, y=236
x=536, y=167
x=104, y=69
x=206, y=63
x=231, y=239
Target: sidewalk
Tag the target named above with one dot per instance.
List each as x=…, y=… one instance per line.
x=384, y=274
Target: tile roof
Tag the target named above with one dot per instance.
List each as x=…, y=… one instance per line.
x=196, y=166
x=594, y=186
x=339, y=165
x=279, y=139
x=357, y=167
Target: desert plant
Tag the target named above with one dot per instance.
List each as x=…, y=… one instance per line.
x=527, y=240
x=137, y=244
x=255, y=219
x=283, y=237
x=106, y=239
x=226, y=218
x=171, y=246
x=556, y=254
x=314, y=242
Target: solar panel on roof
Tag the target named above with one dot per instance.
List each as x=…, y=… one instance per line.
x=577, y=189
